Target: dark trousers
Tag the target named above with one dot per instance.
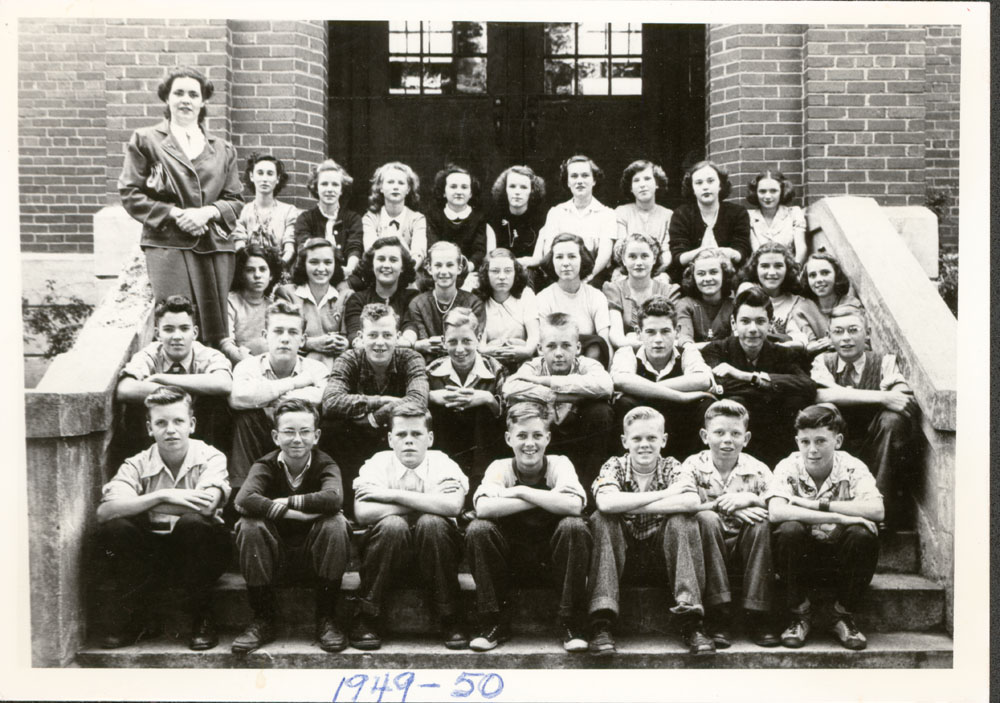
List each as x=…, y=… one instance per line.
x=396, y=544
x=885, y=441
x=351, y=445
x=682, y=421
x=133, y=561
x=473, y=439
x=747, y=554
x=266, y=547
x=251, y=441
x=583, y=437
x=846, y=562
x=772, y=422
x=673, y=555
x=502, y=553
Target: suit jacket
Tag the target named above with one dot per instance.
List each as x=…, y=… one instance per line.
x=212, y=179
x=782, y=365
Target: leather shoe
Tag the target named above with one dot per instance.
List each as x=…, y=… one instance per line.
x=364, y=635
x=118, y=637
x=258, y=633
x=699, y=644
x=454, y=635
x=329, y=636
x=203, y=635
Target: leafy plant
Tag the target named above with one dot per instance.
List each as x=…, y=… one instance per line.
x=947, y=282
x=56, y=319
x=938, y=200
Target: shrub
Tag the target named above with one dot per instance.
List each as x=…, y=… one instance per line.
x=947, y=282
x=58, y=320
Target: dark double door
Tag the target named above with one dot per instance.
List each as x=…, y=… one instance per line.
x=514, y=121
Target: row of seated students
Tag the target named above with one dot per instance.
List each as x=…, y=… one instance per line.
x=371, y=462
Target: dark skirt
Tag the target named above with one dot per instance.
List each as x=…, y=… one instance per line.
x=204, y=278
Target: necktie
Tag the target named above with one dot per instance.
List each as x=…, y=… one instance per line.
x=847, y=378
x=176, y=368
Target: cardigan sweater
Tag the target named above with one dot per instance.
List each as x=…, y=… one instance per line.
x=469, y=234
x=732, y=229
x=347, y=232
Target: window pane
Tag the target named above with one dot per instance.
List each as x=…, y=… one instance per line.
x=437, y=76
x=559, y=38
x=593, y=39
x=470, y=38
x=404, y=76
x=559, y=77
x=626, y=77
x=470, y=75
x=626, y=39
x=592, y=77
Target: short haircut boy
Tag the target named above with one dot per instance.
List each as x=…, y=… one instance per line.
x=373, y=312
x=167, y=395
x=643, y=412
x=819, y=416
x=295, y=405
x=560, y=320
x=657, y=306
x=754, y=297
x=727, y=408
x=461, y=317
x=409, y=410
x=524, y=410
x=282, y=307
x=175, y=304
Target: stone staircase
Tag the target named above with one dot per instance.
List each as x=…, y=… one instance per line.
x=903, y=618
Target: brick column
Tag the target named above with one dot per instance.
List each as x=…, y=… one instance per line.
x=943, y=60
x=755, y=100
x=279, y=96
x=864, y=113
x=139, y=53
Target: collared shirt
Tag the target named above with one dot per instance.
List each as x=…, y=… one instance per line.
x=353, y=383
x=253, y=383
x=849, y=479
x=443, y=370
x=294, y=481
x=586, y=379
x=321, y=317
x=410, y=227
x=627, y=360
x=560, y=477
x=749, y=475
x=462, y=214
x=890, y=372
x=152, y=359
x=437, y=473
x=616, y=476
x=203, y=467
x=509, y=319
x=592, y=224
x=191, y=139
x=787, y=222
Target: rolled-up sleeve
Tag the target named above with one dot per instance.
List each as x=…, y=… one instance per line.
x=214, y=473
x=127, y=482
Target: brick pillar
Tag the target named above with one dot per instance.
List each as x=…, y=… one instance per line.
x=279, y=96
x=943, y=76
x=61, y=137
x=139, y=53
x=864, y=112
x=755, y=100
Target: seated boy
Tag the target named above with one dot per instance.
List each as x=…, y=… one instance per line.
x=643, y=518
x=732, y=518
x=465, y=398
x=176, y=358
x=874, y=399
x=528, y=512
x=763, y=377
x=660, y=376
x=291, y=504
x=580, y=388
x=159, y=516
x=261, y=382
x=408, y=498
x=363, y=388
x=824, y=505
x=424, y=323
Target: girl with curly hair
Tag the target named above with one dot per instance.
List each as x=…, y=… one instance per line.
x=266, y=221
x=258, y=271
x=772, y=217
x=330, y=184
x=384, y=276
x=638, y=254
x=392, y=209
x=705, y=311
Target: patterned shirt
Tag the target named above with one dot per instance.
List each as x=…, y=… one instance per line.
x=353, y=383
x=587, y=379
x=849, y=479
x=616, y=476
x=748, y=476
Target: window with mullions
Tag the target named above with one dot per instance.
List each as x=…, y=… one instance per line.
x=593, y=58
x=437, y=58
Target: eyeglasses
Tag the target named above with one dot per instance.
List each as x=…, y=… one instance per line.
x=292, y=434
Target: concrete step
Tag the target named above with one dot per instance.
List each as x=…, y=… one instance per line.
x=885, y=651
x=895, y=602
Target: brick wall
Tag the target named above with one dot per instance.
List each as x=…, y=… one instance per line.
x=279, y=96
x=942, y=105
x=864, y=112
x=755, y=100
x=61, y=135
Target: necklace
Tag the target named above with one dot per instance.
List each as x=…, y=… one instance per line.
x=443, y=309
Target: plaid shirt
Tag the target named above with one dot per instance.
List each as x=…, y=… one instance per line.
x=616, y=475
x=352, y=385
x=748, y=476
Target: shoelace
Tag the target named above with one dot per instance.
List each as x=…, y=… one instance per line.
x=852, y=629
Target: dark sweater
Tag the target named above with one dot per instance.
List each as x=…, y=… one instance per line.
x=732, y=229
x=321, y=490
x=517, y=232
x=400, y=302
x=346, y=231
x=469, y=234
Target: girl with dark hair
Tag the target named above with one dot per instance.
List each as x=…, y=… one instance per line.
x=511, y=331
x=458, y=218
x=265, y=220
x=183, y=185
x=330, y=184
x=706, y=310
x=392, y=209
x=517, y=216
x=824, y=282
x=258, y=270
x=641, y=180
x=772, y=219
x=797, y=322
x=384, y=275
x=705, y=221
x=638, y=255
x=314, y=290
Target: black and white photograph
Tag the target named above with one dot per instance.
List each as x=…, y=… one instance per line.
x=548, y=351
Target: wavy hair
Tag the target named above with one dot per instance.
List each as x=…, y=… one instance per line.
x=749, y=274
x=375, y=198
x=255, y=159
x=841, y=284
x=366, y=268
x=499, y=190
x=329, y=165
x=441, y=180
x=269, y=254
x=787, y=190
x=725, y=187
x=299, y=275
x=165, y=86
x=485, y=289
x=688, y=286
x=659, y=175
x=586, y=258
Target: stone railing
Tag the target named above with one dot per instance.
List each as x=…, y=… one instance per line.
x=70, y=420
x=908, y=318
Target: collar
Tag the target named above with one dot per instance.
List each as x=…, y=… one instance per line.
x=265, y=365
x=837, y=474
x=544, y=368
x=294, y=481
x=462, y=214
x=384, y=218
x=859, y=366
x=305, y=293
x=399, y=471
x=640, y=357
x=594, y=207
x=157, y=466
x=705, y=465
x=187, y=362
x=443, y=369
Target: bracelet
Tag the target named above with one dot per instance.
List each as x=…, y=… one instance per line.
x=824, y=505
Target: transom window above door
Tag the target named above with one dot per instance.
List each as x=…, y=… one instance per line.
x=593, y=58
x=437, y=58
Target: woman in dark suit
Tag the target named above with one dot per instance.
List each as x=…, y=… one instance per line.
x=705, y=221
x=183, y=185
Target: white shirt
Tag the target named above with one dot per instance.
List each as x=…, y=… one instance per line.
x=592, y=224
x=191, y=139
x=437, y=473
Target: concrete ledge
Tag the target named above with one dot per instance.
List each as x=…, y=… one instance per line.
x=907, y=315
x=918, y=228
x=72, y=274
x=116, y=239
